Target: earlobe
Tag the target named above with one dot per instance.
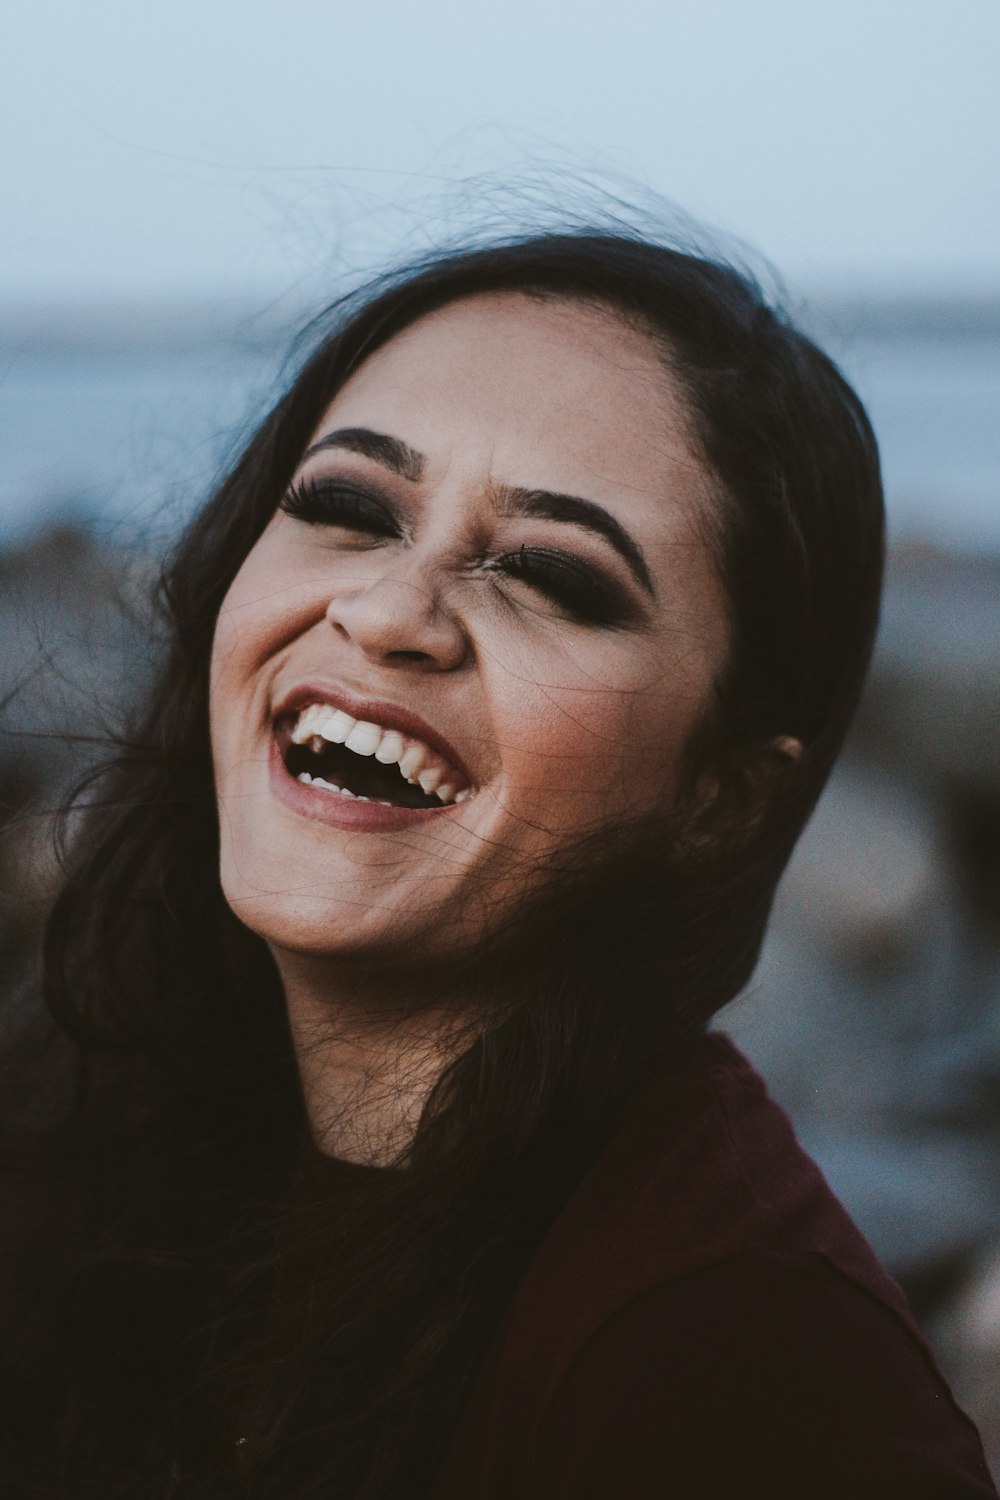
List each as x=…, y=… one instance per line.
x=787, y=746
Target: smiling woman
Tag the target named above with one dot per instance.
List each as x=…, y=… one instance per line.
x=500, y=517
x=386, y=1149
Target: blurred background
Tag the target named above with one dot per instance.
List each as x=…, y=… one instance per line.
x=182, y=186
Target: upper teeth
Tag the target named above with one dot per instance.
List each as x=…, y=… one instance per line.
x=319, y=724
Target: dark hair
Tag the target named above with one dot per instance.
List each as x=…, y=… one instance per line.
x=218, y=1310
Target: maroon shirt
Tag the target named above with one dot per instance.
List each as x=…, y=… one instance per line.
x=705, y=1322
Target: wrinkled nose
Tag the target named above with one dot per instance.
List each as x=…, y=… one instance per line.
x=398, y=621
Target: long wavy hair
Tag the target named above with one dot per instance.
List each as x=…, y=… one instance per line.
x=205, y=1305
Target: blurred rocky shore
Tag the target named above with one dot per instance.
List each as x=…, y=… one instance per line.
x=875, y=1013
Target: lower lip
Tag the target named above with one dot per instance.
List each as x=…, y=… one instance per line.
x=337, y=811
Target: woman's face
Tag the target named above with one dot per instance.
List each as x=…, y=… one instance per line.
x=492, y=573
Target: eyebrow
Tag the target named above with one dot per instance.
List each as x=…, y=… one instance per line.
x=391, y=452
x=551, y=506
x=548, y=505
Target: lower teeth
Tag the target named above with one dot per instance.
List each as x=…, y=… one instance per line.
x=328, y=786
x=341, y=791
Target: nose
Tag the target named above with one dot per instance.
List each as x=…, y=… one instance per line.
x=399, y=620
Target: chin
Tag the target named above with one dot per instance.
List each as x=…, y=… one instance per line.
x=349, y=923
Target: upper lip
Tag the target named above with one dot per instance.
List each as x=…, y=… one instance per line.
x=375, y=711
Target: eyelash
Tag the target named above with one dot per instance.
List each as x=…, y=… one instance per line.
x=338, y=505
x=563, y=579
x=566, y=581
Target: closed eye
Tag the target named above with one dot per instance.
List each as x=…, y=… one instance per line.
x=327, y=502
x=570, y=583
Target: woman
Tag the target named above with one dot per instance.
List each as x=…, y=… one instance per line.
x=505, y=669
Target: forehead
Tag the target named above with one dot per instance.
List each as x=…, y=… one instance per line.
x=551, y=393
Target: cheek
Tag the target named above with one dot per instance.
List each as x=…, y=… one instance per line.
x=609, y=741
x=246, y=631
x=230, y=663
x=266, y=606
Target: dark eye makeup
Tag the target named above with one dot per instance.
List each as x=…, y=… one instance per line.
x=574, y=586
x=332, y=503
x=571, y=584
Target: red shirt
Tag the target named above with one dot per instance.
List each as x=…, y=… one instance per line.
x=705, y=1322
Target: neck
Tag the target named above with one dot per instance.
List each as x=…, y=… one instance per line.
x=370, y=1048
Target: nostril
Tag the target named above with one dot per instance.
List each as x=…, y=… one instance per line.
x=392, y=623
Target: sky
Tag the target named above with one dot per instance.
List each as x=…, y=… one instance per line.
x=208, y=148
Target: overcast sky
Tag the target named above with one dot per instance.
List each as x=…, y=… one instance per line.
x=207, y=146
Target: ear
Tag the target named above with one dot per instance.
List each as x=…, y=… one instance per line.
x=786, y=745
x=732, y=800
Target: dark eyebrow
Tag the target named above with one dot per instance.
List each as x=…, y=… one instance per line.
x=391, y=452
x=550, y=506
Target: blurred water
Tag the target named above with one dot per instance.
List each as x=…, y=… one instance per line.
x=135, y=436
x=935, y=403
x=130, y=438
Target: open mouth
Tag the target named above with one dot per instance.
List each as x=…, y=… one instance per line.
x=326, y=748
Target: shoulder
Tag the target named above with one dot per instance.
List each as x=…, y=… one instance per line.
x=705, y=1170
x=758, y=1374
x=704, y=1310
